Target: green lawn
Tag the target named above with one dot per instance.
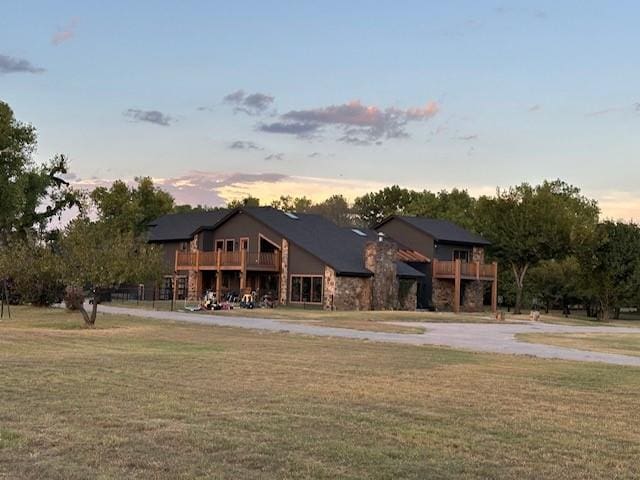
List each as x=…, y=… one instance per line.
x=137, y=398
x=624, y=344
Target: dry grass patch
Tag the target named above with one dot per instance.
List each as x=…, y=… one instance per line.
x=624, y=344
x=179, y=401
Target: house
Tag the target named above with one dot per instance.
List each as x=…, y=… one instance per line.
x=456, y=277
x=173, y=232
x=306, y=259
x=296, y=258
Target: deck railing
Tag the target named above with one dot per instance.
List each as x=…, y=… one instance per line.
x=468, y=270
x=239, y=259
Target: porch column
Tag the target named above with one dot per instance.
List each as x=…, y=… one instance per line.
x=456, y=286
x=494, y=289
x=218, y=276
x=243, y=270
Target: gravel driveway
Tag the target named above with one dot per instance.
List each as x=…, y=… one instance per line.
x=480, y=337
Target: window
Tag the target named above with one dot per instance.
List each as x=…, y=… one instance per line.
x=463, y=255
x=229, y=245
x=244, y=244
x=219, y=245
x=184, y=246
x=306, y=288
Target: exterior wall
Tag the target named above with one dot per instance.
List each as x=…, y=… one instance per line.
x=352, y=293
x=169, y=250
x=442, y=296
x=472, y=296
x=408, y=236
x=380, y=258
x=329, y=290
x=409, y=300
x=444, y=251
x=284, y=273
x=478, y=254
x=241, y=226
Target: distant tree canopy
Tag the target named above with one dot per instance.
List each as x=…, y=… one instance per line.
x=30, y=194
x=131, y=208
x=529, y=224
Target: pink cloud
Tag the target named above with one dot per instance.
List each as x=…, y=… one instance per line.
x=65, y=33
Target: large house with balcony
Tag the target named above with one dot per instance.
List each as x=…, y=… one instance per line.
x=307, y=259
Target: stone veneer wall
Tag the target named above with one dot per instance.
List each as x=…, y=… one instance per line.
x=352, y=293
x=473, y=296
x=329, y=288
x=284, y=273
x=478, y=254
x=192, y=277
x=380, y=258
x=410, y=300
x=442, y=296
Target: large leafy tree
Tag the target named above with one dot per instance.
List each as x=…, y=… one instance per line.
x=528, y=224
x=556, y=282
x=335, y=208
x=455, y=205
x=131, y=208
x=98, y=256
x=374, y=207
x=31, y=194
x=610, y=265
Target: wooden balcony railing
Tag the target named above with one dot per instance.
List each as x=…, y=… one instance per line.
x=220, y=260
x=467, y=270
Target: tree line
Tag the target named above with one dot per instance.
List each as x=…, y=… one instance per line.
x=552, y=247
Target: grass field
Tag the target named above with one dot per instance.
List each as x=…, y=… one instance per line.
x=145, y=399
x=626, y=344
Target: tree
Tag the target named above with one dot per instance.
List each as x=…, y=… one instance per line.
x=374, y=207
x=186, y=208
x=527, y=225
x=610, y=266
x=556, y=282
x=131, y=209
x=335, y=208
x=290, y=204
x=456, y=206
x=34, y=270
x=98, y=257
x=245, y=202
x=30, y=194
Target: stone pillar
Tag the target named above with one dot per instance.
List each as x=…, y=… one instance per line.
x=194, y=274
x=329, y=288
x=380, y=258
x=442, y=296
x=284, y=272
x=477, y=255
x=473, y=298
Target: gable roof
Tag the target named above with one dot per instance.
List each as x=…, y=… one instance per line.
x=441, y=230
x=317, y=235
x=180, y=226
x=338, y=247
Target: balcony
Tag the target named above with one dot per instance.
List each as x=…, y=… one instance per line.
x=241, y=260
x=465, y=270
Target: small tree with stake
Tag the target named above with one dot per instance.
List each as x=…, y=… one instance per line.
x=97, y=257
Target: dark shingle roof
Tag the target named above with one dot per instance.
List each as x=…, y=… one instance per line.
x=180, y=226
x=319, y=236
x=442, y=230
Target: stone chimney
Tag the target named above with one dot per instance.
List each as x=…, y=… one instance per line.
x=380, y=258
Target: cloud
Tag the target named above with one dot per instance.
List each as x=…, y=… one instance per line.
x=299, y=129
x=533, y=13
x=150, y=116
x=599, y=113
x=251, y=104
x=65, y=33
x=467, y=138
x=535, y=108
x=275, y=156
x=244, y=145
x=360, y=124
x=17, y=65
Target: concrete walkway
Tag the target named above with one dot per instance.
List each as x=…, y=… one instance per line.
x=480, y=337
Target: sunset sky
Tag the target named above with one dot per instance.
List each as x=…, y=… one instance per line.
x=216, y=100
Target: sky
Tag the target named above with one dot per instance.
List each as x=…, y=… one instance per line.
x=218, y=100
